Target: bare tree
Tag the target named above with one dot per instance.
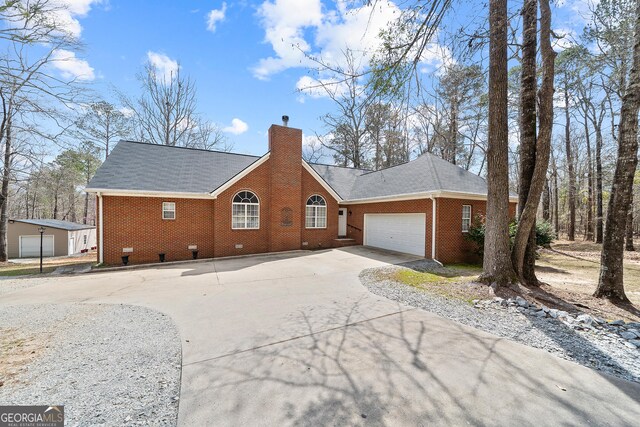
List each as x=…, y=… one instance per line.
x=528, y=131
x=497, y=266
x=166, y=112
x=543, y=147
x=610, y=284
x=26, y=82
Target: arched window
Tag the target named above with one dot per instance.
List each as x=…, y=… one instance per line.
x=316, y=213
x=245, y=212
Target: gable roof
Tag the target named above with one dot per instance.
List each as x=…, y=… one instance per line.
x=149, y=168
x=340, y=179
x=56, y=223
x=426, y=174
x=139, y=166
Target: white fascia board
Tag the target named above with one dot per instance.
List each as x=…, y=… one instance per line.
x=215, y=193
x=146, y=193
x=321, y=181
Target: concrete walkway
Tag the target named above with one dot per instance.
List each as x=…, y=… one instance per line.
x=297, y=340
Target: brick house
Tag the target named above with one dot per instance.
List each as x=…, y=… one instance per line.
x=154, y=199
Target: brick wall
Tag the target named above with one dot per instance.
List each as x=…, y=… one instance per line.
x=324, y=237
x=136, y=222
x=451, y=244
x=355, y=216
x=252, y=241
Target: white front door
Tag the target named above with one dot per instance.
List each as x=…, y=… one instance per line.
x=72, y=249
x=396, y=232
x=342, y=222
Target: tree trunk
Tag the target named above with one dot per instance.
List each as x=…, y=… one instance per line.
x=498, y=270
x=556, y=200
x=611, y=284
x=571, y=226
x=546, y=202
x=628, y=241
x=528, y=130
x=526, y=225
x=599, y=203
x=4, y=194
x=589, y=230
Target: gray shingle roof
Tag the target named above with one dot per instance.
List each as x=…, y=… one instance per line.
x=56, y=223
x=149, y=167
x=424, y=174
x=340, y=179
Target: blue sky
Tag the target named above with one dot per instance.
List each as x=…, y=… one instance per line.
x=240, y=52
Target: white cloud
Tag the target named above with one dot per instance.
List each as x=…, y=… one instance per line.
x=237, y=127
x=319, y=88
x=215, y=16
x=71, y=67
x=297, y=29
x=67, y=12
x=166, y=67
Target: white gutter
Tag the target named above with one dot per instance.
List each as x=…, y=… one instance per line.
x=147, y=193
x=423, y=195
x=101, y=219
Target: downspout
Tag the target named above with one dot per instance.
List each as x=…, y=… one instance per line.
x=101, y=231
x=433, y=229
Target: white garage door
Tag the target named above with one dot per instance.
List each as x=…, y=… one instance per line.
x=30, y=246
x=396, y=232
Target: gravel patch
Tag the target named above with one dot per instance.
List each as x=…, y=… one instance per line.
x=108, y=364
x=10, y=284
x=599, y=348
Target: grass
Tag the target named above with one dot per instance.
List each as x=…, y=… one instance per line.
x=14, y=269
x=453, y=281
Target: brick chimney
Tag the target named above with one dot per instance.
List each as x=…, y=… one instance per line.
x=285, y=159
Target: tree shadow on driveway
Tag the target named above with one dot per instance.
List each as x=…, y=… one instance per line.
x=407, y=367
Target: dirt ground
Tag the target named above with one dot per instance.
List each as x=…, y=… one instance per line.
x=569, y=271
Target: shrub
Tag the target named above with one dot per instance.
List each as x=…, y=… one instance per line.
x=544, y=233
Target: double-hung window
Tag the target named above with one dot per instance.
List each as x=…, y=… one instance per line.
x=168, y=210
x=245, y=211
x=466, y=218
x=316, y=212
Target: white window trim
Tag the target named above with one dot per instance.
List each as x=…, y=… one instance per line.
x=244, y=205
x=164, y=209
x=464, y=218
x=315, y=213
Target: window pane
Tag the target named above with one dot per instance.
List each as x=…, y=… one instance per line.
x=321, y=216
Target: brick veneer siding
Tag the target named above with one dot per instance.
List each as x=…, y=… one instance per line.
x=317, y=238
x=252, y=241
x=355, y=217
x=451, y=244
x=136, y=222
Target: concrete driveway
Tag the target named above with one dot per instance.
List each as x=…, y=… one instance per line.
x=295, y=339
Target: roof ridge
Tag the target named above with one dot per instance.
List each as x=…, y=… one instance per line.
x=188, y=148
x=338, y=166
x=389, y=167
x=434, y=172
